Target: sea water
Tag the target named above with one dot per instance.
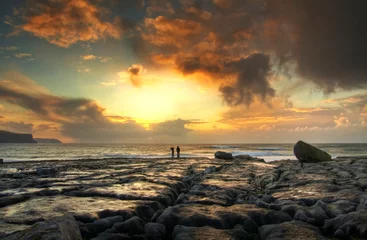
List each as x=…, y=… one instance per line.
x=72, y=151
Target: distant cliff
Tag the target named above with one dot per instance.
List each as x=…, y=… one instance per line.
x=10, y=137
x=47, y=140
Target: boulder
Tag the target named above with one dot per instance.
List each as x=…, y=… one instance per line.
x=307, y=153
x=91, y=230
x=155, y=231
x=62, y=228
x=145, y=211
x=223, y=155
x=134, y=225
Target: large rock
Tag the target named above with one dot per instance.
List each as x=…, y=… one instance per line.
x=307, y=153
x=155, y=231
x=223, y=155
x=62, y=228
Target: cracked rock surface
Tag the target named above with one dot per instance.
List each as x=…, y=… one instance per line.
x=239, y=198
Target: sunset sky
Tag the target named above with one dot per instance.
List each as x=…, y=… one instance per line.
x=184, y=71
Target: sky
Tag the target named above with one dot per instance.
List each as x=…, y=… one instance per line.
x=184, y=71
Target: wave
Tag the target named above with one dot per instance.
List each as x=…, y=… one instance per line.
x=270, y=148
x=223, y=147
x=257, y=154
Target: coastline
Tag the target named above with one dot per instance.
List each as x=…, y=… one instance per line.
x=188, y=197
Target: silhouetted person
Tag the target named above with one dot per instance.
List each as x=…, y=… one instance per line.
x=178, y=151
x=173, y=152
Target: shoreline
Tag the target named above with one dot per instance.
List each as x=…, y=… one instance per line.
x=267, y=159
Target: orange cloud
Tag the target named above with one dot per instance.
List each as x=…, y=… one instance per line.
x=175, y=32
x=88, y=57
x=67, y=22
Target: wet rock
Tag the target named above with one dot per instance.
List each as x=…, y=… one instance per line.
x=244, y=157
x=290, y=230
x=48, y=192
x=19, y=175
x=155, y=231
x=197, y=215
x=134, y=225
x=85, y=218
x=275, y=217
x=351, y=224
x=118, y=236
x=210, y=170
x=9, y=200
x=340, y=207
x=62, y=228
x=250, y=226
x=198, y=233
x=307, y=153
x=223, y=155
x=156, y=215
x=267, y=198
x=145, y=211
x=45, y=171
x=91, y=230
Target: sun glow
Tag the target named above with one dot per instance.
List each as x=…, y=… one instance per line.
x=166, y=99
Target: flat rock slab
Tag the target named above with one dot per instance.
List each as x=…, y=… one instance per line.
x=62, y=228
x=197, y=215
x=41, y=208
x=208, y=233
x=290, y=230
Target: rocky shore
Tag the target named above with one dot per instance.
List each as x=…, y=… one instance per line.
x=239, y=198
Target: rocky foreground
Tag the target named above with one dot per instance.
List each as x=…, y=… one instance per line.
x=243, y=198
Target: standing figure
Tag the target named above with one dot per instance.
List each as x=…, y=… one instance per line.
x=178, y=151
x=173, y=152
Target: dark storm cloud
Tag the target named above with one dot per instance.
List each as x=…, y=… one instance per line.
x=250, y=76
x=251, y=81
x=318, y=41
x=330, y=38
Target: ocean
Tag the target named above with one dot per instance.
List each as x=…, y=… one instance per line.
x=73, y=151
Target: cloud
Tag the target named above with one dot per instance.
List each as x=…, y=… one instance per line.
x=9, y=48
x=104, y=59
x=46, y=128
x=88, y=57
x=135, y=72
x=111, y=83
x=341, y=120
x=305, y=40
x=93, y=57
x=66, y=22
x=163, y=31
x=83, y=120
x=23, y=55
x=328, y=43
x=251, y=81
x=17, y=127
x=159, y=7
x=175, y=128
x=84, y=69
